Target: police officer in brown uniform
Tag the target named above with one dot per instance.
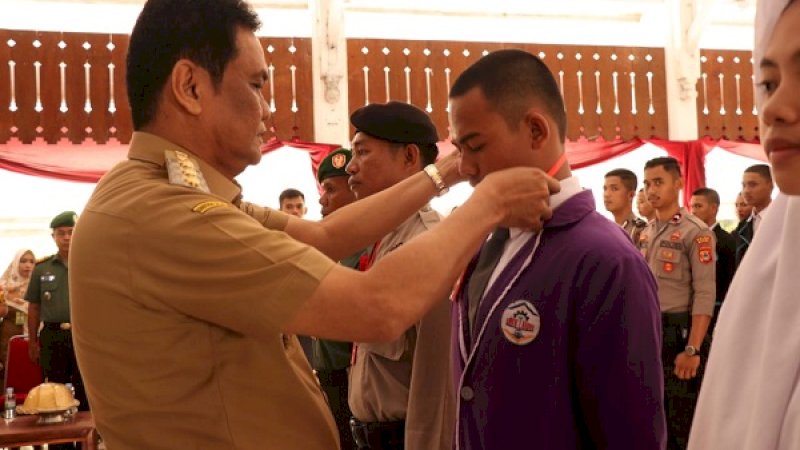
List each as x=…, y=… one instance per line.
x=400, y=391
x=679, y=248
x=166, y=240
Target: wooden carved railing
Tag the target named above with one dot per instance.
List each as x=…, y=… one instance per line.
x=56, y=86
x=725, y=95
x=609, y=92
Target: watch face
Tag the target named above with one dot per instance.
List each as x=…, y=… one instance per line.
x=691, y=351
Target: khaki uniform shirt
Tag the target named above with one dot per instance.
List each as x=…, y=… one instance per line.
x=680, y=253
x=410, y=378
x=633, y=227
x=49, y=288
x=178, y=300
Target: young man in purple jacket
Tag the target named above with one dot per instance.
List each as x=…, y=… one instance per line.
x=557, y=334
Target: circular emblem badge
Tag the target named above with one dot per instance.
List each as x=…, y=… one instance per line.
x=520, y=322
x=338, y=161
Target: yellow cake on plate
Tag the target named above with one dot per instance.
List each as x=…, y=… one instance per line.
x=48, y=398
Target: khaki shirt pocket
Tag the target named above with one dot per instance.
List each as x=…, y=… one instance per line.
x=669, y=264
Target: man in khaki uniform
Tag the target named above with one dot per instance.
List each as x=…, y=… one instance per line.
x=181, y=291
x=401, y=392
x=679, y=249
x=619, y=189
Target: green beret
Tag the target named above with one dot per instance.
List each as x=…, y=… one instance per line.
x=65, y=219
x=334, y=164
x=395, y=122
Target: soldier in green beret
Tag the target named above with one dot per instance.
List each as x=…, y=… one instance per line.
x=48, y=295
x=331, y=359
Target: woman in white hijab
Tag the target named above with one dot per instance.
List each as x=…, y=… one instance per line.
x=13, y=307
x=750, y=398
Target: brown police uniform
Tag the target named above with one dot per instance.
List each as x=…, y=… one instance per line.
x=681, y=255
x=178, y=300
x=680, y=252
x=633, y=227
x=410, y=378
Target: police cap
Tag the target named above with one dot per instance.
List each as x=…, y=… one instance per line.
x=395, y=122
x=334, y=164
x=65, y=219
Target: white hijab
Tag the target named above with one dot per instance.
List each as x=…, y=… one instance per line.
x=750, y=398
x=13, y=285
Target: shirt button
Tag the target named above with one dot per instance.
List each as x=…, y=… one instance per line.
x=467, y=393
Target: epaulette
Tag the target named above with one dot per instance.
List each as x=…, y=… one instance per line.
x=183, y=170
x=639, y=223
x=696, y=220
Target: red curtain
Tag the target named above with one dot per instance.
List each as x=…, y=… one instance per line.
x=88, y=162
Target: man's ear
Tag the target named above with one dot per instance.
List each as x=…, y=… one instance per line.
x=538, y=127
x=411, y=155
x=186, y=83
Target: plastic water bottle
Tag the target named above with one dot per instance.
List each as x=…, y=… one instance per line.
x=72, y=410
x=10, y=404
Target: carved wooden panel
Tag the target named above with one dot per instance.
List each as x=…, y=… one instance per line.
x=725, y=96
x=609, y=92
x=71, y=86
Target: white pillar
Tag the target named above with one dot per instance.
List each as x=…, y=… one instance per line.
x=682, y=65
x=688, y=18
x=329, y=72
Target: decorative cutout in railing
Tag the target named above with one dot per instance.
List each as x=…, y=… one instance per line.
x=610, y=92
x=56, y=86
x=725, y=96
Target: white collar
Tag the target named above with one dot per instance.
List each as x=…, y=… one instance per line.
x=569, y=187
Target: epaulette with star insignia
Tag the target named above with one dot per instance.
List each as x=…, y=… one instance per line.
x=183, y=170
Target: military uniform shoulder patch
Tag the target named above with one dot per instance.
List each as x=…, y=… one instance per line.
x=184, y=170
x=206, y=206
x=705, y=249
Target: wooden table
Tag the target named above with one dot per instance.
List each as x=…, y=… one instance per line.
x=23, y=430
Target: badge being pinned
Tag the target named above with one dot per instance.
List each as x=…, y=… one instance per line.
x=520, y=322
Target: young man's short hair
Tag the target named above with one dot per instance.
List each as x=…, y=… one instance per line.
x=761, y=169
x=710, y=194
x=290, y=193
x=669, y=164
x=627, y=177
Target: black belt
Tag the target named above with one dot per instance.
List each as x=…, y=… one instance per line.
x=332, y=377
x=680, y=319
x=61, y=326
x=378, y=435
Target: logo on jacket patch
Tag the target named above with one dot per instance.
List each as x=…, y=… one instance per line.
x=520, y=322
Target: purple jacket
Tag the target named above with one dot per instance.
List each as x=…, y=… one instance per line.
x=570, y=356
